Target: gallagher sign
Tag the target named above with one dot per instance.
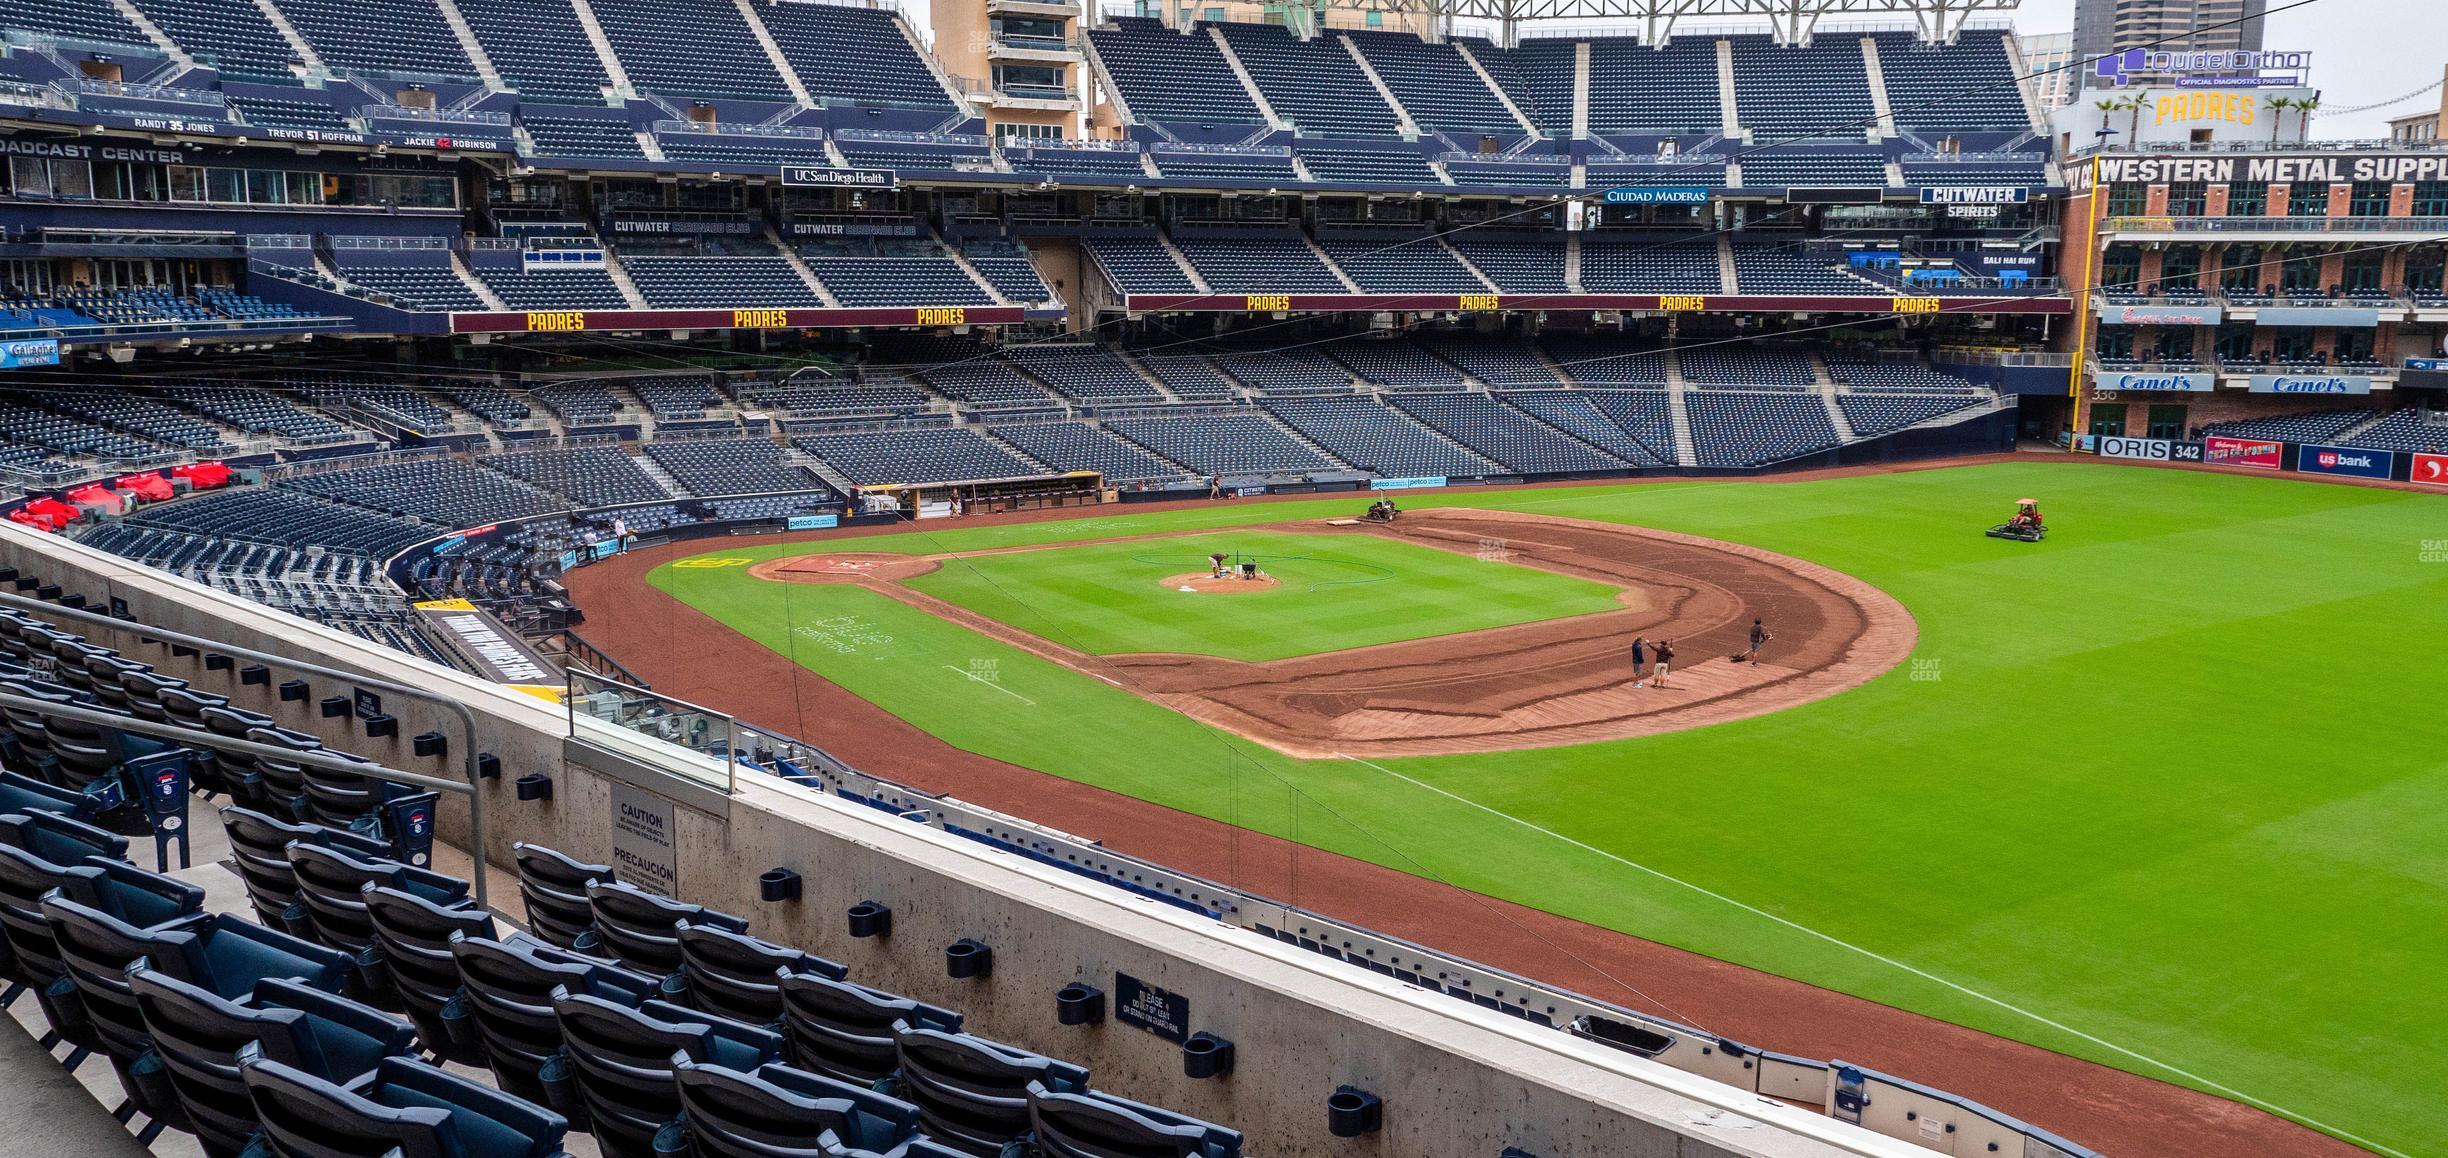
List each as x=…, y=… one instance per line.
x=2309, y=384
x=29, y=352
x=2347, y=460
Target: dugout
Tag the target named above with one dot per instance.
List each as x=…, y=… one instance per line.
x=985, y=496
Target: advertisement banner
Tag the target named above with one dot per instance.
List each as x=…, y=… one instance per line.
x=2310, y=384
x=811, y=522
x=2347, y=316
x=1975, y=195
x=1406, y=484
x=2140, y=382
x=26, y=352
x=1658, y=195
x=2346, y=460
x=2431, y=470
x=2150, y=449
x=2147, y=315
x=2219, y=450
x=820, y=176
x=495, y=651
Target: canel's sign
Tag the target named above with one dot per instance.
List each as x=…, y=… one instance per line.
x=2154, y=383
x=2310, y=384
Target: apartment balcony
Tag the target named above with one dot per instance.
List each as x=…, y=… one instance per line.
x=1042, y=98
x=1018, y=48
x=1041, y=9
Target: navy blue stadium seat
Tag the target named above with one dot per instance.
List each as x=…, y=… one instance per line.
x=621, y=1061
x=197, y=1034
x=641, y=930
x=402, y=1108
x=777, y=1111
x=553, y=886
x=845, y=1030
x=1092, y=1124
x=971, y=1093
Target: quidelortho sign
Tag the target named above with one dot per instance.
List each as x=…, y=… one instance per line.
x=2150, y=449
x=2154, y=383
x=2346, y=460
x=2310, y=384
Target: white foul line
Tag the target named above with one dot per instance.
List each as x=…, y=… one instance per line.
x=975, y=678
x=1883, y=959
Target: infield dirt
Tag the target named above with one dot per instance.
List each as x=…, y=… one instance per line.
x=1558, y=681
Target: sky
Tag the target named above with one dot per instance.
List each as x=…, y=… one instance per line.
x=2364, y=51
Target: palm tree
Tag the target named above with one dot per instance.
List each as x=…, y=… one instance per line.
x=2133, y=125
x=2278, y=106
x=2108, y=106
x=2303, y=115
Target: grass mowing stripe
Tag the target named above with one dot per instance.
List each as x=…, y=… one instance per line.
x=1907, y=967
x=2162, y=778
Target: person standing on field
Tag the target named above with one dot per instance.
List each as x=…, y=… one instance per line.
x=1640, y=658
x=1759, y=635
x=1665, y=659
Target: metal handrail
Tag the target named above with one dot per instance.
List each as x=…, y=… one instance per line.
x=467, y=718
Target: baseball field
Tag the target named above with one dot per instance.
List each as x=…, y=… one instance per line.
x=2167, y=791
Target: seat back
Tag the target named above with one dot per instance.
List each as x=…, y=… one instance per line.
x=621, y=1058
x=28, y=954
x=640, y=929
x=509, y=987
x=56, y=837
x=414, y=936
x=780, y=1112
x=845, y=1030
x=974, y=1092
x=198, y=1034
x=21, y=793
x=95, y=950
x=331, y=886
x=285, y=780
x=305, y=1116
x=1089, y=1124
x=259, y=847
x=739, y=976
x=554, y=889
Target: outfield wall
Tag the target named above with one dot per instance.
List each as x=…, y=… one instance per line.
x=1457, y=1079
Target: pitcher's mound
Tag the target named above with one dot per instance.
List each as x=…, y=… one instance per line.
x=1206, y=584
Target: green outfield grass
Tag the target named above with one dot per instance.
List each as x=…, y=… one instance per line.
x=2168, y=791
x=1333, y=593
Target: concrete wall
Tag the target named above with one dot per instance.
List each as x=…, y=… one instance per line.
x=1457, y=1080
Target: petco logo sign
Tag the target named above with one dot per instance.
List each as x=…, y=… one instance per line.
x=2346, y=460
